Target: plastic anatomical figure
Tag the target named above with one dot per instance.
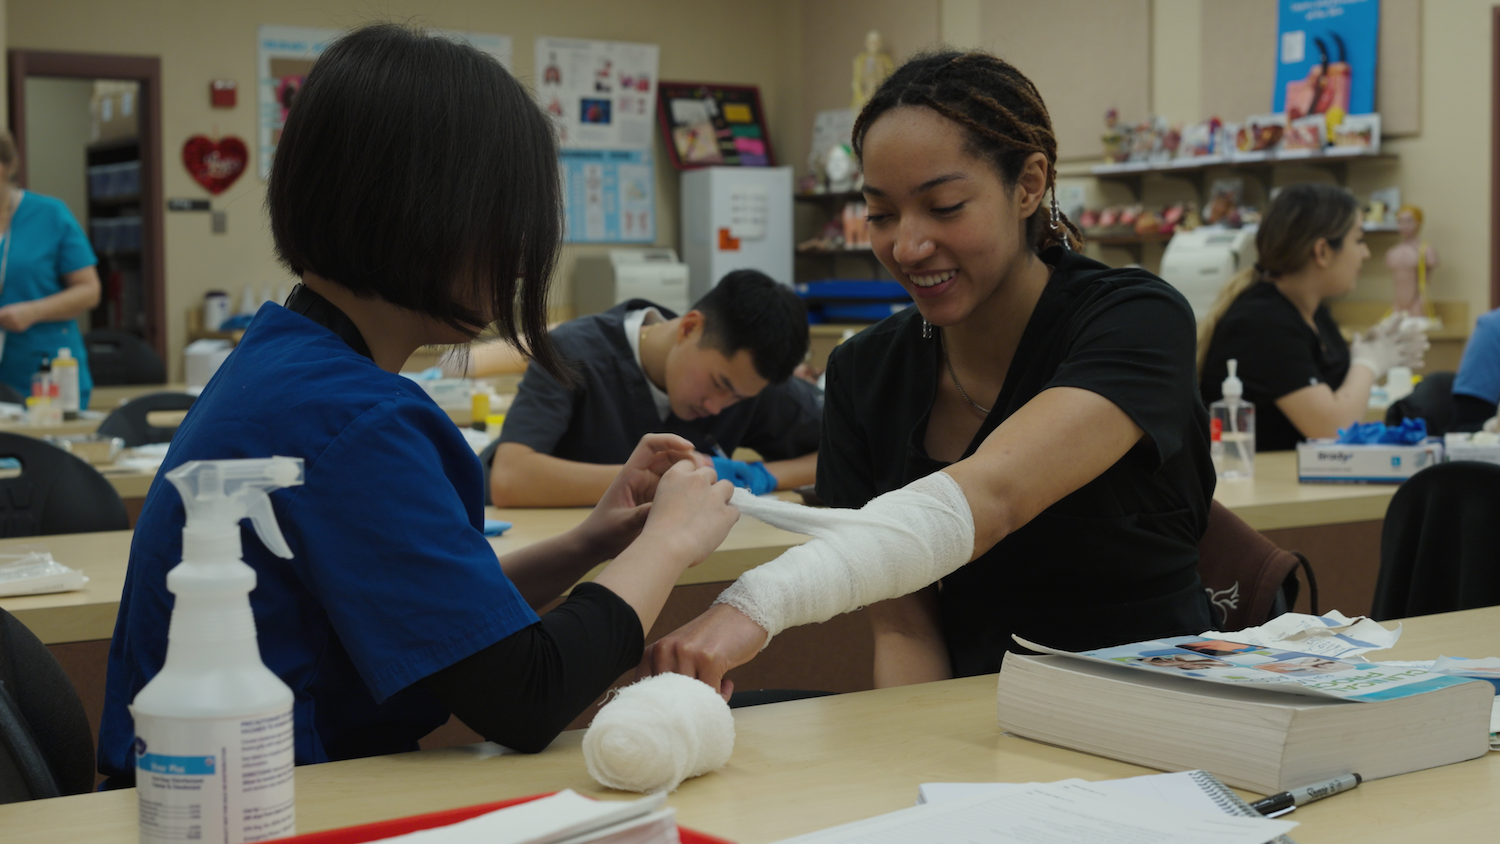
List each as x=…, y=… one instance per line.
x=870, y=69
x=1412, y=262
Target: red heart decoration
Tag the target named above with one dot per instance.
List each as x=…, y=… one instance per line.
x=215, y=164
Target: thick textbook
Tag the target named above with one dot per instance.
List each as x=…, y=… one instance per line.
x=1260, y=740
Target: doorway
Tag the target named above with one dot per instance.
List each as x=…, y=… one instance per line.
x=88, y=129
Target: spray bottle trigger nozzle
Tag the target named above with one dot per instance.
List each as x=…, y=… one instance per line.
x=263, y=519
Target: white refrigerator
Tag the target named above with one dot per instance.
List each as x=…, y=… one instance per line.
x=736, y=218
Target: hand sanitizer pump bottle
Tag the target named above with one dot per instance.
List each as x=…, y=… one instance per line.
x=214, y=741
x=1231, y=422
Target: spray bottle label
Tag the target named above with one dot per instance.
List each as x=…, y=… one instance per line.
x=215, y=779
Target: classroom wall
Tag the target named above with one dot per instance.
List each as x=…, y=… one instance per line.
x=201, y=40
x=799, y=53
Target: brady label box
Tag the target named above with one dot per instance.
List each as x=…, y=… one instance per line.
x=1327, y=461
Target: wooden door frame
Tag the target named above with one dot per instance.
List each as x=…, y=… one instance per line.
x=147, y=71
x=1495, y=157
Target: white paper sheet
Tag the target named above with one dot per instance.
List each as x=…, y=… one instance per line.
x=1056, y=813
x=558, y=818
x=1332, y=635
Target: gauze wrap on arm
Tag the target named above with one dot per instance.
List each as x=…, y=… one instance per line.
x=898, y=543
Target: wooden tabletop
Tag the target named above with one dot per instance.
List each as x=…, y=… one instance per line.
x=1274, y=499
x=806, y=765
x=89, y=614
x=66, y=428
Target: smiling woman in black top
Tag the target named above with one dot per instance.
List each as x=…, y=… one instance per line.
x=1058, y=393
x=1295, y=365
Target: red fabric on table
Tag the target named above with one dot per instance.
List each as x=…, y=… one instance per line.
x=401, y=826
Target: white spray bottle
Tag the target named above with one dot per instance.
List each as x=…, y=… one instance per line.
x=214, y=741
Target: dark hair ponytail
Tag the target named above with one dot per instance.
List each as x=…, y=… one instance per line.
x=1001, y=111
x=1298, y=218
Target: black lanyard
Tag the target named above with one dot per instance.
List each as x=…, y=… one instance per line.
x=305, y=301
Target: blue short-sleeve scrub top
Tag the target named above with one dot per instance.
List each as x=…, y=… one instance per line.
x=391, y=578
x=46, y=243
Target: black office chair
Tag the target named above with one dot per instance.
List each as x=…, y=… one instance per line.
x=9, y=395
x=55, y=493
x=46, y=749
x=1431, y=399
x=119, y=358
x=1440, y=544
x=128, y=421
x=1249, y=579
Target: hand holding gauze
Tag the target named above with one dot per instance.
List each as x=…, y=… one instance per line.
x=658, y=732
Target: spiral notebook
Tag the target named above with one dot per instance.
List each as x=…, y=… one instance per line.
x=1187, y=789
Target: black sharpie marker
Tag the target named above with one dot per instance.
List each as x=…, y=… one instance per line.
x=1306, y=794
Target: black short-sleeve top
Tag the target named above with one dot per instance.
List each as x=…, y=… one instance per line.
x=602, y=417
x=1113, y=562
x=1278, y=354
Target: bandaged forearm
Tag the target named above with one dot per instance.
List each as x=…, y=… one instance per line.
x=896, y=544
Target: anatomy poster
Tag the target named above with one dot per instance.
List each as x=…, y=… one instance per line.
x=287, y=53
x=1325, y=57
x=601, y=94
x=610, y=196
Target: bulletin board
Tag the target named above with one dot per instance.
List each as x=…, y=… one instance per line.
x=709, y=125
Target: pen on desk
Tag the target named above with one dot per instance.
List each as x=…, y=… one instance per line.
x=1306, y=794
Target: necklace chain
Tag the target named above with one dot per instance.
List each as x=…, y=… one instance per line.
x=954, y=375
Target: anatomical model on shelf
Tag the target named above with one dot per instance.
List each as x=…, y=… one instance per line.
x=870, y=69
x=1411, y=261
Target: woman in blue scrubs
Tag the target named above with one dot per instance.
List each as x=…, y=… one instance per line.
x=47, y=281
x=414, y=193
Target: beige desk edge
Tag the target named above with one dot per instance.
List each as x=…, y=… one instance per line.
x=810, y=764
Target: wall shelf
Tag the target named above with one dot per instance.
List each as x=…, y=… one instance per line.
x=1258, y=166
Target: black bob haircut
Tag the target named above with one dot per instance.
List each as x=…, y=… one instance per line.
x=416, y=169
x=749, y=310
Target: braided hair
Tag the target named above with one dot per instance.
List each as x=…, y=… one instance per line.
x=1002, y=113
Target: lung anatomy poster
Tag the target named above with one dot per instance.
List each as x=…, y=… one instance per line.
x=287, y=53
x=1325, y=57
x=602, y=94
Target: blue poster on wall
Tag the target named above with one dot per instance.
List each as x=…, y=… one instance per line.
x=1325, y=56
x=609, y=195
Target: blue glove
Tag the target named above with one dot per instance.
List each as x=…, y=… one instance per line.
x=495, y=527
x=1409, y=432
x=752, y=476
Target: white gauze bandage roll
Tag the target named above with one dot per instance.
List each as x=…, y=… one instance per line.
x=658, y=732
x=898, y=543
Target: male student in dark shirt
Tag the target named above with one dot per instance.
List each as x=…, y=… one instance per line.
x=719, y=375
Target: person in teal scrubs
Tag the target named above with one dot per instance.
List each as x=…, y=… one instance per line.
x=47, y=280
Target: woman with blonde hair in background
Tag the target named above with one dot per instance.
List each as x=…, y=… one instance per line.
x=1304, y=380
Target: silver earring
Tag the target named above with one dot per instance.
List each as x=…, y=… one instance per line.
x=926, y=330
x=1057, y=224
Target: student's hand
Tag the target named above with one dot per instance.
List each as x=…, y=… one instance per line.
x=706, y=648
x=618, y=518
x=691, y=513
